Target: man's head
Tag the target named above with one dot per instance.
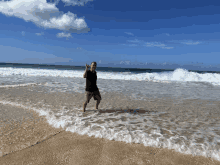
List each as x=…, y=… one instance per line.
x=93, y=66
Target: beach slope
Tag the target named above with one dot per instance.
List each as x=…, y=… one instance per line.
x=36, y=142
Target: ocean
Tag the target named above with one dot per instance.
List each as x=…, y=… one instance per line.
x=196, y=135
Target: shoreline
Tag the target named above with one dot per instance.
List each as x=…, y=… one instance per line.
x=49, y=145
x=24, y=132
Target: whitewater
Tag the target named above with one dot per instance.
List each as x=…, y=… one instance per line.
x=195, y=134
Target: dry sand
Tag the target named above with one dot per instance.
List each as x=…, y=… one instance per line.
x=34, y=141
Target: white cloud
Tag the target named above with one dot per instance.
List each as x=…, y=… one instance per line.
x=132, y=45
x=153, y=44
x=76, y=2
x=62, y=35
x=125, y=62
x=167, y=34
x=137, y=42
x=129, y=33
x=191, y=43
x=167, y=47
x=134, y=41
x=40, y=34
x=43, y=14
x=187, y=42
x=67, y=21
x=129, y=44
x=23, y=33
x=157, y=44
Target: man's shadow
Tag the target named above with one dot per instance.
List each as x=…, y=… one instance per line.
x=135, y=111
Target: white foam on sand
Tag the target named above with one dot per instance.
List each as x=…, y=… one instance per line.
x=74, y=121
x=19, y=85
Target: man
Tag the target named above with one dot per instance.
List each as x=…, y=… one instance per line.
x=91, y=85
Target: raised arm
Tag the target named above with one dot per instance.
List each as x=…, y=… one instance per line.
x=85, y=73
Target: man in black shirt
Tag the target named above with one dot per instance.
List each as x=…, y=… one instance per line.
x=91, y=86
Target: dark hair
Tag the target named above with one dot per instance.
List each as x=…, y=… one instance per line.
x=94, y=63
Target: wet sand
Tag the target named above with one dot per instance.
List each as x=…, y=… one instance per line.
x=26, y=138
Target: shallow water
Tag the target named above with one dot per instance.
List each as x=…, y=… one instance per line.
x=186, y=126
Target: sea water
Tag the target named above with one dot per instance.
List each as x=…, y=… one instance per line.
x=196, y=135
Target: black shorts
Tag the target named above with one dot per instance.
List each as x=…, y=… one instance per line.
x=96, y=95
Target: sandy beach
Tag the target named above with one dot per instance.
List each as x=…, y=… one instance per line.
x=26, y=137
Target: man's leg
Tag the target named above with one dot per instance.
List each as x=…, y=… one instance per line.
x=84, y=106
x=88, y=97
x=97, y=103
x=97, y=96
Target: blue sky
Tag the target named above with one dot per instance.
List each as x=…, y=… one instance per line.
x=110, y=32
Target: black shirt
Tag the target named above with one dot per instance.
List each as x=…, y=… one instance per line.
x=91, y=81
